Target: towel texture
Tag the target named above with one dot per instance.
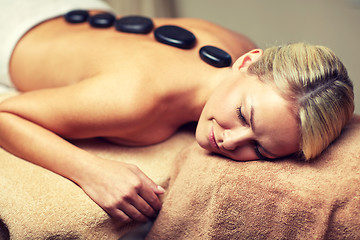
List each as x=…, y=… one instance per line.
x=211, y=197
x=38, y=204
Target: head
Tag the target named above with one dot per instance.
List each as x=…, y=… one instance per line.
x=298, y=96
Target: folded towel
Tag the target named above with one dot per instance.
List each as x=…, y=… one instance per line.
x=211, y=197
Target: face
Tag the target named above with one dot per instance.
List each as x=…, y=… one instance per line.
x=246, y=119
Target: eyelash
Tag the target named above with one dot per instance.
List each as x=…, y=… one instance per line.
x=259, y=155
x=240, y=115
x=257, y=152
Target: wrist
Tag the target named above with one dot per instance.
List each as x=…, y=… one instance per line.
x=85, y=169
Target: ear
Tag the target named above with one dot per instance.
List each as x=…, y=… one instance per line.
x=247, y=59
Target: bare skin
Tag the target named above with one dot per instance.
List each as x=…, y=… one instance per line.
x=81, y=82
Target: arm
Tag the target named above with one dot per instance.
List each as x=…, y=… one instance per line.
x=120, y=189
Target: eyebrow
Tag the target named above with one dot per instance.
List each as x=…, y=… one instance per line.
x=252, y=124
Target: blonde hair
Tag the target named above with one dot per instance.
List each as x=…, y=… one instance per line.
x=316, y=81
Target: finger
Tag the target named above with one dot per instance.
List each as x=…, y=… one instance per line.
x=132, y=212
x=142, y=206
x=156, y=188
x=160, y=190
x=148, y=190
x=119, y=215
x=150, y=197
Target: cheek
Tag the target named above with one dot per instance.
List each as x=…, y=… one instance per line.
x=201, y=131
x=225, y=106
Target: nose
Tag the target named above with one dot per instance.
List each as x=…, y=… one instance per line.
x=234, y=138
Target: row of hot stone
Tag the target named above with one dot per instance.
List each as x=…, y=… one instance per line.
x=168, y=34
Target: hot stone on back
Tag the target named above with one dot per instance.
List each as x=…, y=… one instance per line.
x=215, y=56
x=76, y=16
x=168, y=34
x=102, y=20
x=134, y=24
x=175, y=36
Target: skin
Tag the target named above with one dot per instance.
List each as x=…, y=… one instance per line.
x=241, y=118
x=80, y=82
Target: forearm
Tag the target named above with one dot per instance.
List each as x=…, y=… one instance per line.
x=121, y=189
x=44, y=148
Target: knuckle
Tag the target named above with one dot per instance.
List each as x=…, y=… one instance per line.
x=138, y=185
x=109, y=206
x=127, y=196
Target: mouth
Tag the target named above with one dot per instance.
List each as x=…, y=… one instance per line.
x=212, y=139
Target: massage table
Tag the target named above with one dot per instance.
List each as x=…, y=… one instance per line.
x=207, y=196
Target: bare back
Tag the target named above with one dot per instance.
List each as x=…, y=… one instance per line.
x=122, y=86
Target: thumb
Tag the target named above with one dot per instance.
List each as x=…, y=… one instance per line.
x=156, y=188
x=159, y=190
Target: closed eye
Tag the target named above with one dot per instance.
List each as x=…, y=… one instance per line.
x=258, y=153
x=241, y=116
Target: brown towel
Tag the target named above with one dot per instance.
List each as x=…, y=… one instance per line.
x=38, y=204
x=211, y=197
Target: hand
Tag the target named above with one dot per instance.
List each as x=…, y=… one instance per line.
x=123, y=191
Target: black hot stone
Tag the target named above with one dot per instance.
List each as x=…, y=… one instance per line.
x=134, y=24
x=175, y=36
x=215, y=56
x=76, y=16
x=102, y=20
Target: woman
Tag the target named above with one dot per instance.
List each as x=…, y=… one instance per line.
x=82, y=82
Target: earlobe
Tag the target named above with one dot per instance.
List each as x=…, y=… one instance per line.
x=248, y=58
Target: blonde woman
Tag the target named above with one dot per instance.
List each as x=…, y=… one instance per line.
x=318, y=93
x=83, y=82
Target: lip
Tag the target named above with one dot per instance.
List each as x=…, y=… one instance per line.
x=212, y=139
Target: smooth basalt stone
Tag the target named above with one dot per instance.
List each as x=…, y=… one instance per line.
x=76, y=16
x=215, y=56
x=175, y=36
x=102, y=20
x=134, y=24
x=168, y=34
